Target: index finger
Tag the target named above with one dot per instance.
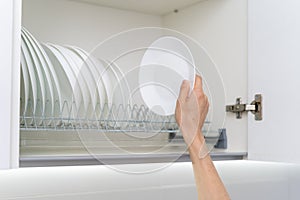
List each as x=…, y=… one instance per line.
x=198, y=84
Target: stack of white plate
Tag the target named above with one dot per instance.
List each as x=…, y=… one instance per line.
x=63, y=82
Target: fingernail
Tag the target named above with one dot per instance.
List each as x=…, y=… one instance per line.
x=185, y=82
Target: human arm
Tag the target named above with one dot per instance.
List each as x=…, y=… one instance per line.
x=191, y=111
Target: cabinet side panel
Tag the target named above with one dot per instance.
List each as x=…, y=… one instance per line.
x=10, y=13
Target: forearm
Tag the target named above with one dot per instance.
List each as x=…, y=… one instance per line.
x=208, y=182
x=191, y=111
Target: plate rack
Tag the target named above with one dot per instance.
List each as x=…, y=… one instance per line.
x=111, y=118
x=109, y=132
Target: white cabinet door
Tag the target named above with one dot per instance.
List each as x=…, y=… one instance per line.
x=274, y=71
x=10, y=32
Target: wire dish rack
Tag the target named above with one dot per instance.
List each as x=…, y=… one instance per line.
x=109, y=118
x=110, y=132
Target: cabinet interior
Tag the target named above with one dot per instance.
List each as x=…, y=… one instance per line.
x=93, y=24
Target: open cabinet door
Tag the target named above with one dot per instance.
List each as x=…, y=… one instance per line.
x=274, y=71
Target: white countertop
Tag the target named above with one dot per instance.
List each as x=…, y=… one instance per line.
x=243, y=179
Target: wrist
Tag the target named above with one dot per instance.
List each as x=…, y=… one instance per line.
x=197, y=147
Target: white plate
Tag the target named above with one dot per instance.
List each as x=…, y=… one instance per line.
x=80, y=84
x=107, y=78
x=88, y=78
x=70, y=92
x=96, y=73
x=120, y=95
x=25, y=83
x=32, y=76
x=103, y=84
x=165, y=64
x=50, y=73
x=121, y=90
x=40, y=82
x=110, y=79
x=115, y=109
x=48, y=104
x=22, y=91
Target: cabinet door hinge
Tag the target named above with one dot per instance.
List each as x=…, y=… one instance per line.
x=255, y=107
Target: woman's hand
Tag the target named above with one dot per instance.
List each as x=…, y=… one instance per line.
x=190, y=115
x=191, y=111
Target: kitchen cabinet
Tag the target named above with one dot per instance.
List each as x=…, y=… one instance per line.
x=128, y=24
x=246, y=46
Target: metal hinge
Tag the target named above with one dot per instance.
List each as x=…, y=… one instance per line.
x=255, y=107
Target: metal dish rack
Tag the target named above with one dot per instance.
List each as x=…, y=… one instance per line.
x=108, y=118
x=115, y=132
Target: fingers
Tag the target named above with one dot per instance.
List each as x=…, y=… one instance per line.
x=198, y=84
x=184, y=90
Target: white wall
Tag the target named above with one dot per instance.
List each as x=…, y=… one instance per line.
x=221, y=27
x=79, y=24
